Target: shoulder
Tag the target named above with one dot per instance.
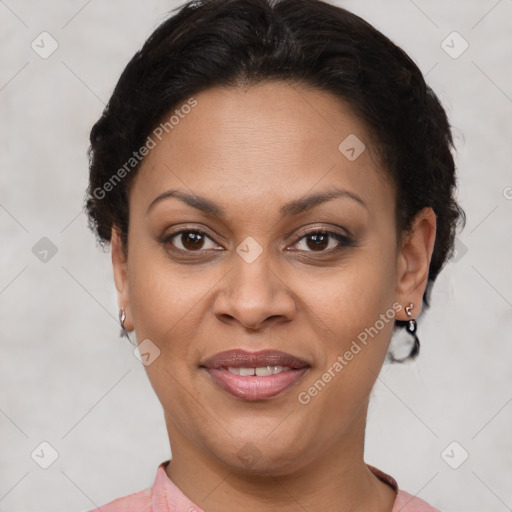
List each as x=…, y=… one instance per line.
x=406, y=502
x=137, y=502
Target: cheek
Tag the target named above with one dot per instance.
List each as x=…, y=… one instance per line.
x=354, y=317
x=166, y=309
x=163, y=303
x=169, y=304
x=352, y=297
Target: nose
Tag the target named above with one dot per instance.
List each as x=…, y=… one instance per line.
x=254, y=295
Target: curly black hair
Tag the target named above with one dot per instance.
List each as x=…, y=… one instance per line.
x=210, y=43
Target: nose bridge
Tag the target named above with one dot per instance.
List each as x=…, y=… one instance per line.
x=254, y=292
x=253, y=281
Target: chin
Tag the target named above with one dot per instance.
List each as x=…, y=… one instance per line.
x=263, y=457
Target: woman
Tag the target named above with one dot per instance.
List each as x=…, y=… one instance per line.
x=277, y=185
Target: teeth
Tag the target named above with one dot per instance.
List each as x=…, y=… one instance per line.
x=261, y=371
x=267, y=370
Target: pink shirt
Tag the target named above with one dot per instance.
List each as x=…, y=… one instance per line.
x=164, y=496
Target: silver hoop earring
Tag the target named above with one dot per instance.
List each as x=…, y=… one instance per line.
x=122, y=318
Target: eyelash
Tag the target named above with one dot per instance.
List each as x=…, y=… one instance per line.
x=345, y=241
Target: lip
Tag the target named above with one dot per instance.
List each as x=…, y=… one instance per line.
x=244, y=359
x=254, y=387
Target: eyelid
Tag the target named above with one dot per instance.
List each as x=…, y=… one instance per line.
x=325, y=229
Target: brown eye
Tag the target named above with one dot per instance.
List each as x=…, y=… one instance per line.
x=318, y=241
x=190, y=240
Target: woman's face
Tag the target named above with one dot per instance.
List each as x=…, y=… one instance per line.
x=249, y=159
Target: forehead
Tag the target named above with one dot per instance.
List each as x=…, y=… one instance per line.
x=266, y=141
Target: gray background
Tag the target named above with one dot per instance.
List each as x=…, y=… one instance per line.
x=68, y=379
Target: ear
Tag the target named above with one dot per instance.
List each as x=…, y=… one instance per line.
x=414, y=261
x=120, y=267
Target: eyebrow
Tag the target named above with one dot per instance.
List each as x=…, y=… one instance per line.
x=290, y=209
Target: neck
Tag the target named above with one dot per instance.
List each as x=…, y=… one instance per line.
x=336, y=479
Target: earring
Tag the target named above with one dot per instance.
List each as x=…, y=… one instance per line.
x=411, y=327
x=122, y=318
x=124, y=332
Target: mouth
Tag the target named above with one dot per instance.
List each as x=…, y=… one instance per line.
x=255, y=375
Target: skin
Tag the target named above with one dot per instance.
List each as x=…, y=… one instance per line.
x=251, y=150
